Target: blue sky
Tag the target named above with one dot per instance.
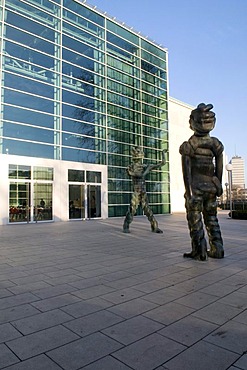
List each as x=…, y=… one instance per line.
x=207, y=45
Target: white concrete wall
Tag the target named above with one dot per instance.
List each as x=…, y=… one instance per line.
x=60, y=184
x=179, y=132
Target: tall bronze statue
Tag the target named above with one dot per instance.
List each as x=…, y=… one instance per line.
x=202, y=164
x=138, y=171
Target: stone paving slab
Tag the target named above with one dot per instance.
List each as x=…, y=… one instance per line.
x=84, y=295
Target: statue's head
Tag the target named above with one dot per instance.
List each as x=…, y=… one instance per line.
x=137, y=153
x=202, y=120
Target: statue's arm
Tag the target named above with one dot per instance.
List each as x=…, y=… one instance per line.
x=217, y=179
x=129, y=172
x=186, y=151
x=152, y=167
x=219, y=166
x=218, y=154
x=186, y=168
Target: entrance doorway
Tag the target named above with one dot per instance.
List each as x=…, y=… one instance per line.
x=19, y=202
x=30, y=194
x=94, y=201
x=76, y=201
x=84, y=194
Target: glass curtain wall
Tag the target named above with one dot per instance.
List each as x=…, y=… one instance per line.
x=136, y=115
x=77, y=86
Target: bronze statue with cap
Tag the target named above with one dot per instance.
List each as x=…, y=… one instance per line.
x=202, y=166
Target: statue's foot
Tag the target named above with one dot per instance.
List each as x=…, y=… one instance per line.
x=126, y=231
x=216, y=253
x=157, y=231
x=196, y=256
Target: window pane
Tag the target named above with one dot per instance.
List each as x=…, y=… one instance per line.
x=78, y=99
x=93, y=176
x=153, y=49
x=78, y=141
x=76, y=175
x=27, y=116
x=28, y=101
x=28, y=85
x=117, y=29
x=43, y=173
x=84, y=12
x=80, y=34
x=25, y=53
x=27, y=133
x=79, y=60
x=45, y=4
x=19, y=172
x=83, y=128
x=29, y=40
x=117, y=211
x=16, y=147
x=77, y=155
x=123, y=44
x=30, y=26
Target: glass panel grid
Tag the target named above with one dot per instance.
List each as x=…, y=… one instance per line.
x=135, y=71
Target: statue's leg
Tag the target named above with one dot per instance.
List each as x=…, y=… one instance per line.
x=131, y=212
x=194, y=218
x=149, y=213
x=213, y=228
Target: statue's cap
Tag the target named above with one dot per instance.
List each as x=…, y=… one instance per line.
x=137, y=152
x=202, y=108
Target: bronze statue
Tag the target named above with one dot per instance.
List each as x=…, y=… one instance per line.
x=138, y=171
x=202, y=165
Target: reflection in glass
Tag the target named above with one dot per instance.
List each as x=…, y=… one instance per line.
x=77, y=155
x=19, y=201
x=29, y=40
x=76, y=201
x=17, y=147
x=76, y=175
x=94, y=176
x=42, y=202
x=27, y=133
x=94, y=201
x=43, y=173
x=13, y=50
x=29, y=85
x=23, y=115
x=30, y=26
x=28, y=101
x=83, y=12
x=17, y=171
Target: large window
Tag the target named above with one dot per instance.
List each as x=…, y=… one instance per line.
x=30, y=193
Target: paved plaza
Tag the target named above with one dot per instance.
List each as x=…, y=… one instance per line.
x=84, y=295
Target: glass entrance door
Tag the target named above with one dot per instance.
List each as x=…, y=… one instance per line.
x=19, y=201
x=42, y=195
x=94, y=201
x=30, y=193
x=76, y=201
x=21, y=206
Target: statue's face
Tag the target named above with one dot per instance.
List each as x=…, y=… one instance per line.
x=202, y=127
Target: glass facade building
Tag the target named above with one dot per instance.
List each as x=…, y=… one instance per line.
x=80, y=88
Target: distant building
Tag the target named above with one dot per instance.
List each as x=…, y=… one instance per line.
x=238, y=175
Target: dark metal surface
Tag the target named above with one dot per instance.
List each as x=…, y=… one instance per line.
x=202, y=165
x=138, y=171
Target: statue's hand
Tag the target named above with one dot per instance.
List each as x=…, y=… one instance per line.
x=193, y=202
x=217, y=183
